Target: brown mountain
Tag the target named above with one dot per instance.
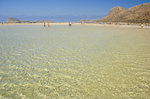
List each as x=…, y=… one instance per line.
x=136, y=14
x=13, y=20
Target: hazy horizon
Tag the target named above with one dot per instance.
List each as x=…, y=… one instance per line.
x=57, y=18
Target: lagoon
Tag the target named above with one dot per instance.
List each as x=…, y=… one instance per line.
x=78, y=62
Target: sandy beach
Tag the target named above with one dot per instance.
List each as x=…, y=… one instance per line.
x=86, y=24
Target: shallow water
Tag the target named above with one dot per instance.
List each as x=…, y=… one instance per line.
x=81, y=62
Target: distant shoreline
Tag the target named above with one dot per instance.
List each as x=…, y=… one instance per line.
x=86, y=24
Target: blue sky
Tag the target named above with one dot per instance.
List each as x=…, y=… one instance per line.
x=63, y=7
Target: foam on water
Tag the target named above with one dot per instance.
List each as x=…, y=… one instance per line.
x=78, y=62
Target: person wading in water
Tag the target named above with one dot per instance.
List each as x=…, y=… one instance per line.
x=48, y=25
x=142, y=25
x=44, y=24
x=69, y=24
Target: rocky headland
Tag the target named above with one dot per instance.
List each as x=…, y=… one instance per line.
x=136, y=14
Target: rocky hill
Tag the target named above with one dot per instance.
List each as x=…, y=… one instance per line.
x=136, y=14
x=13, y=20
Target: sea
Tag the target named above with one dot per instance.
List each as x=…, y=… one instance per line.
x=78, y=62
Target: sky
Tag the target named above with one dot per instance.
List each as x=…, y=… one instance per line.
x=63, y=7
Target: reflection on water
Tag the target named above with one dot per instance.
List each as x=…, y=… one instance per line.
x=79, y=62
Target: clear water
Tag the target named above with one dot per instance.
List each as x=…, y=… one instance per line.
x=81, y=62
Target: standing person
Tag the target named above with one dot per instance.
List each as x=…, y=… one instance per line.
x=142, y=25
x=48, y=25
x=69, y=24
x=44, y=24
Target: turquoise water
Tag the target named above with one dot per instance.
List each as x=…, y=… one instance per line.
x=81, y=62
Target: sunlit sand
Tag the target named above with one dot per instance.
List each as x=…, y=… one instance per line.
x=75, y=24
